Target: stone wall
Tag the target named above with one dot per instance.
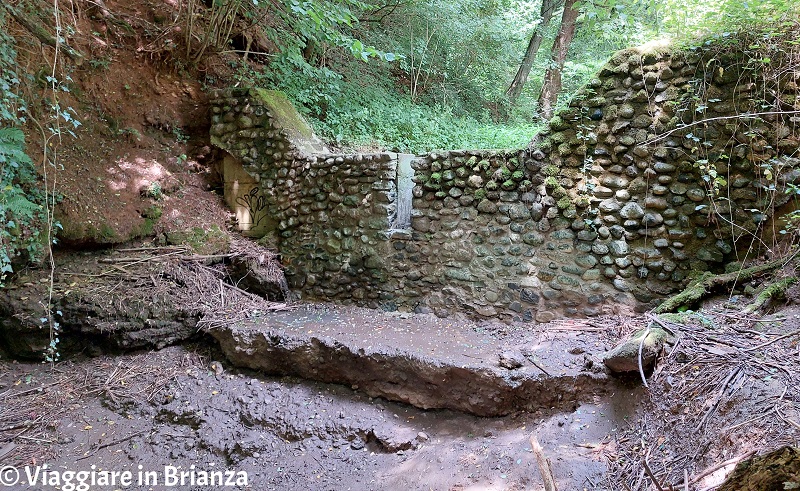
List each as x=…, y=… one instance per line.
x=609, y=205
x=328, y=214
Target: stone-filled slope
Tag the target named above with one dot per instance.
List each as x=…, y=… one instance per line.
x=657, y=169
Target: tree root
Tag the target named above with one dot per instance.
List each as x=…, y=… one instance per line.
x=775, y=290
x=700, y=287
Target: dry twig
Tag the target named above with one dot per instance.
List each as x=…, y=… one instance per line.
x=545, y=468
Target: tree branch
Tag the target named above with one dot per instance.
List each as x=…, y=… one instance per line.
x=41, y=33
x=700, y=287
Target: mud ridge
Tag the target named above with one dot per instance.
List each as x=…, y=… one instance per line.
x=421, y=360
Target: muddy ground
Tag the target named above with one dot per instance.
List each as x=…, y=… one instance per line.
x=710, y=403
x=181, y=406
x=728, y=388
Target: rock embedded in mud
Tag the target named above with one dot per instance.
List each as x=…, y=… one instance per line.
x=624, y=357
x=511, y=360
x=217, y=368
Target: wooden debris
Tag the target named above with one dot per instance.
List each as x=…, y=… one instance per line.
x=704, y=390
x=699, y=288
x=141, y=377
x=545, y=467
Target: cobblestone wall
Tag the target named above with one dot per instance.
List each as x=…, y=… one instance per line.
x=611, y=203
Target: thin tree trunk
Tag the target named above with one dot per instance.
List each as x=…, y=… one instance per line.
x=37, y=29
x=546, y=13
x=552, y=78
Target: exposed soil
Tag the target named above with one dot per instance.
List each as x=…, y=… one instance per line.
x=180, y=407
x=485, y=369
x=726, y=390
x=139, y=163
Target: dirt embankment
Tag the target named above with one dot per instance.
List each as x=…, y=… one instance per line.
x=133, y=159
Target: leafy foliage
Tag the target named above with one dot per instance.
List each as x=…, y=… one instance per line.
x=452, y=101
x=442, y=78
x=21, y=201
x=360, y=109
x=714, y=16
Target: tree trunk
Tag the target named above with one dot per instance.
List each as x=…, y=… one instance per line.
x=552, y=78
x=513, y=91
x=44, y=37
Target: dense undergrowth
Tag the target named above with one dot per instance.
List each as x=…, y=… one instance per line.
x=443, y=85
x=348, y=112
x=439, y=74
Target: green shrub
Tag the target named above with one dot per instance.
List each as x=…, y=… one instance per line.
x=360, y=106
x=22, y=200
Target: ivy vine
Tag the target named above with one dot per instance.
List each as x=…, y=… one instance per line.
x=22, y=201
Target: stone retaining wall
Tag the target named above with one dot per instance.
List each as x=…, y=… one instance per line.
x=609, y=205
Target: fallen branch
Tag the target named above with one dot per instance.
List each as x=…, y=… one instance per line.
x=112, y=443
x=699, y=288
x=767, y=343
x=545, y=468
x=150, y=249
x=651, y=475
x=530, y=358
x=710, y=470
x=661, y=323
x=718, y=397
x=44, y=37
x=130, y=261
x=641, y=369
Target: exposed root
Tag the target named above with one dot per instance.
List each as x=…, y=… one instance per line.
x=201, y=282
x=701, y=286
x=260, y=262
x=771, y=292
